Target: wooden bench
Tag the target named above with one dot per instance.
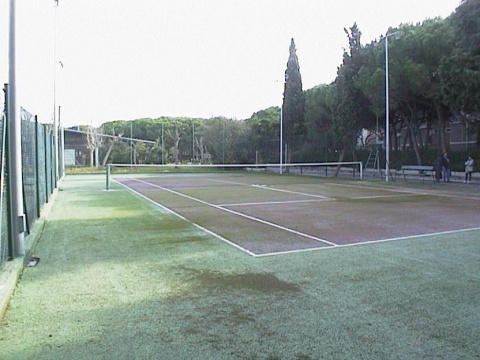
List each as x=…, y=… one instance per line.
x=422, y=170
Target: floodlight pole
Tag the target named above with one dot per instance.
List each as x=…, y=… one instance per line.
x=223, y=142
x=55, y=122
x=387, y=115
x=17, y=218
x=193, y=141
x=131, y=143
x=163, y=148
x=281, y=138
x=387, y=108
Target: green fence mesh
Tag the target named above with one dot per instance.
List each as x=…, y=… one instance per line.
x=38, y=174
x=29, y=167
x=42, y=188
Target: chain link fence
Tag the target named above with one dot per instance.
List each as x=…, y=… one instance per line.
x=38, y=174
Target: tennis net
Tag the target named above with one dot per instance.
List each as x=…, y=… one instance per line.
x=352, y=169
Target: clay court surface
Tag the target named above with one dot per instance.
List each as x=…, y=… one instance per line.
x=268, y=214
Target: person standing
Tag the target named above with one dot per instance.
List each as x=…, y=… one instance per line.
x=445, y=161
x=468, y=170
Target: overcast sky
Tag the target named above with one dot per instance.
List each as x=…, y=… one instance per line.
x=126, y=59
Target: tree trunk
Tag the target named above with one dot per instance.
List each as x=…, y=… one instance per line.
x=92, y=152
x=340, y=159
x=105, y=159
x=201, y=149
x=413, y=141
x=441, y=128
x=176, y=142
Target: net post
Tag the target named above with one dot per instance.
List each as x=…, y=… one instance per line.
x=107, y=186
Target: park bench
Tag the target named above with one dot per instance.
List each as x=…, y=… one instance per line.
x=423, y=170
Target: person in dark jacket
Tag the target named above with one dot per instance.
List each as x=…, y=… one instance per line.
x=445, y=161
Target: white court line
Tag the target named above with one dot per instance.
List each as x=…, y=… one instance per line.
x=325, y=198
x=241, y=215
x=291, y=192
x=272, y=189
x=370, y=242
x=383, y=196
x=413, y=191
x=402, y=190
x=276, y=202
x=228, y=182
x=188, y=221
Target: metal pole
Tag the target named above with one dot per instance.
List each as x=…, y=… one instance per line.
x=281, y=138
x=15, y=149
x=55, y=122
x=131, y=144
x=62, y=143
x=163, y=147
x=387, y=116
x=107, y=185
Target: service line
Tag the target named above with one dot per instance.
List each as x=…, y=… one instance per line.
x=241, y=214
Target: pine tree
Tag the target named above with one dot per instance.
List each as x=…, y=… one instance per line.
x=293, y=109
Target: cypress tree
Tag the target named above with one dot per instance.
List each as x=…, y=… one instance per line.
x=293, y=108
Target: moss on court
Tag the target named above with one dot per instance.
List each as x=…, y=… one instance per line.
x=121, y=279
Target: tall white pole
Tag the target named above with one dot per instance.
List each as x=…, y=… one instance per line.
x=131, y=143
x=55, y=121
x=281, y=138
x=15, y=142
x=387, y=115
x=223, y=141
x=163, y=147
x=62, y=143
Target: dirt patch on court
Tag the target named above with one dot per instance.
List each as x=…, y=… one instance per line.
x=257, y=282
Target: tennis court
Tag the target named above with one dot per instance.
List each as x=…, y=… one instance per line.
x=132, y=281
x=268, y=214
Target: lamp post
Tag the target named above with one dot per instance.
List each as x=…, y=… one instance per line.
x=281, y=137
x=387, y=108
x=55, y=119
x=223, y=142
x=17, y=217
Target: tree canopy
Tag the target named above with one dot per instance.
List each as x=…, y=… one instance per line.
x=434, y=76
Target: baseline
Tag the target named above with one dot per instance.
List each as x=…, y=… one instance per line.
x=403, y=190
x=370, y=242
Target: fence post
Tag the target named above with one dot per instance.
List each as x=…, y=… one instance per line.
x=37, y=172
